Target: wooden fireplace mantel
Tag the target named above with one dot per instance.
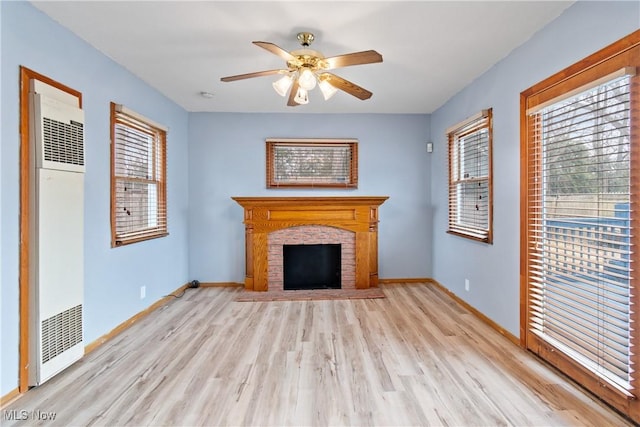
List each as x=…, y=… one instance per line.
x=263, y=215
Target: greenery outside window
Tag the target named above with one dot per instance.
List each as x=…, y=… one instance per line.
x=138, y=177
x=312, y=163
x=470, y=178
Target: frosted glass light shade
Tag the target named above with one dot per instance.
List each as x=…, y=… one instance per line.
x=307, y=79
x=282, y=85
x=327, y=89
x=302, y=97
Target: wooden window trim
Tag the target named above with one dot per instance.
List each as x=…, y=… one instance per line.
x=272, y=144
x=481, y=120
x=620, y=54
x=161, y=133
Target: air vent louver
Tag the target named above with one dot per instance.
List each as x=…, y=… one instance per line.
x=63, y=142
x=61, y=332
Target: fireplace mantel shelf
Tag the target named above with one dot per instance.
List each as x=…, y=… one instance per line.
x=313, y=201
x=263, y=215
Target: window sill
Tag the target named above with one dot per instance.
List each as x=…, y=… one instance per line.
x=488, y=240
x=120, y=243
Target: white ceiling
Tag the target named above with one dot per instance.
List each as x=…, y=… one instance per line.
x=431, y=49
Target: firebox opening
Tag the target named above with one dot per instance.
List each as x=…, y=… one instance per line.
x=312, y=266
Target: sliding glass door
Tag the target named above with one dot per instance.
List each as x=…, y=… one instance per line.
x=580, y=212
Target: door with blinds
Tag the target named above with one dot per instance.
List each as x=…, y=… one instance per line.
x=579, y=231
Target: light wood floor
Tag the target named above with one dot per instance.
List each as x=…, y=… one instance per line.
x=413, y=358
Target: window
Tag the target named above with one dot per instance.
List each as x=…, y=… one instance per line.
x=312, y=163
x=138, y=178
x=578, y=215
x=470, y=189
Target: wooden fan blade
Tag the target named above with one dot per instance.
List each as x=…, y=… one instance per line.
x=346, y=85
x=251, y=75
x=292, y=94
x=277, y=50
x=357, y=58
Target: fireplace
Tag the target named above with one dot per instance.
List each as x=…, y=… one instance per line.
x=311, y=266
x=273, y=222
x=310, y=235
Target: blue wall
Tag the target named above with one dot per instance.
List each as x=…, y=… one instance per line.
x=112, y=276
x=212, y=157
x=227, y=158
x=493, y=270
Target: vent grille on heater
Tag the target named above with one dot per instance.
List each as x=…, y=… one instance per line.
x=61, y=332
x=63, y=142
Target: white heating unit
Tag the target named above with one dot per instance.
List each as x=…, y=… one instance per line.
x=57, y=233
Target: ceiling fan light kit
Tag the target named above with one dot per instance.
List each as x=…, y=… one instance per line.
x=306, y=69
x=283, y=84
x=327, y=90
x=306, y=79
x=302, y=96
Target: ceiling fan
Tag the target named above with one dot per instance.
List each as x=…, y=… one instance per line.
x=307, y=67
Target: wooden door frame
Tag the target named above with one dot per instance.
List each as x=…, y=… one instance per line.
x=26, y=77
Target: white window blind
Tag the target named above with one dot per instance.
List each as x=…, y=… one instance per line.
x=312, y=164
x=138, y=181
x=579, y=231
x=470, y=198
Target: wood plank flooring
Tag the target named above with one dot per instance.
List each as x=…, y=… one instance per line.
x=414, y=358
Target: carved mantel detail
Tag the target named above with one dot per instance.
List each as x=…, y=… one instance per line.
x=262, y=215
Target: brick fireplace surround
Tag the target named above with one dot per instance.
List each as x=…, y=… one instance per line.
x=271, y=222
x=310, y=235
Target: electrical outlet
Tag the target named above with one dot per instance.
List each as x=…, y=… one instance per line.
x=466, y=285
x=143, y=292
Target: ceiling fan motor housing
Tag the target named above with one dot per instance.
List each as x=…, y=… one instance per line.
x=306, y=58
